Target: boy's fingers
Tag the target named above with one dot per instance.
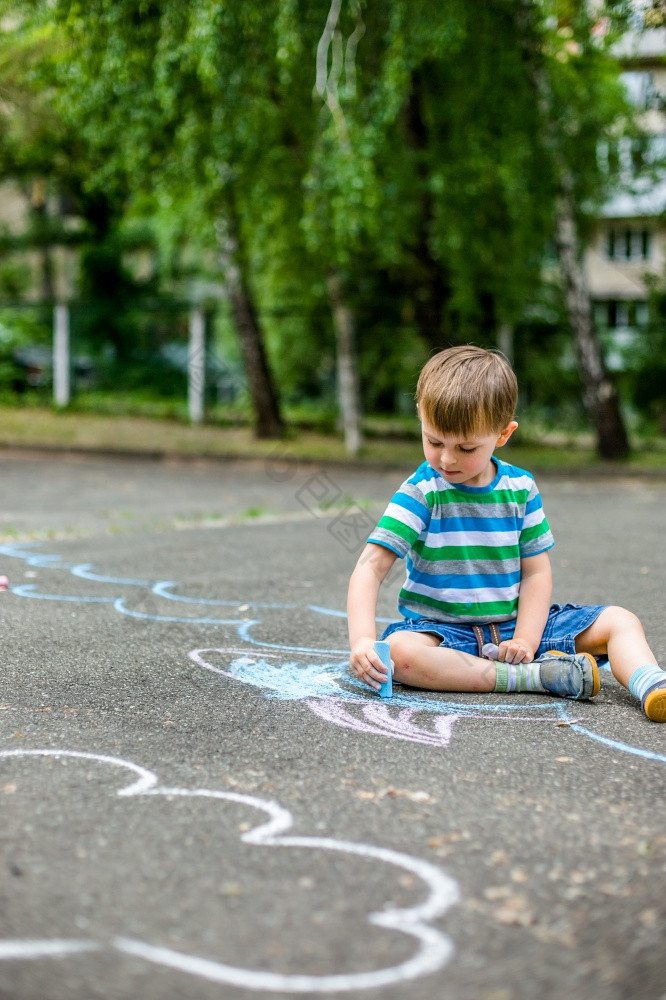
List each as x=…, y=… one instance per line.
x=375, y=675
x=378, y=665
x=369, y=679
x=366, y=673
x=518, y=655
x=374, y=671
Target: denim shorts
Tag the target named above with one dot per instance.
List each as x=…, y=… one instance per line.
x=565, y=622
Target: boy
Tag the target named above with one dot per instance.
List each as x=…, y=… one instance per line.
x=478, y=584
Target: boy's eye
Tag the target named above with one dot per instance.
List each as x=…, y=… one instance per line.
x=467, y=451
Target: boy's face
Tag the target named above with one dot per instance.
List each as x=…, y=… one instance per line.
x=463, y=460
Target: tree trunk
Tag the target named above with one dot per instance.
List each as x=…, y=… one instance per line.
x=268, y=422
x=599, y=394
x=431, y=292
x=347, y=369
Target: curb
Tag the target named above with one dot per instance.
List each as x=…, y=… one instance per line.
x=606, y=471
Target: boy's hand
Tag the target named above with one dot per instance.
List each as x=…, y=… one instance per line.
x=366, y=664
x=516, y=650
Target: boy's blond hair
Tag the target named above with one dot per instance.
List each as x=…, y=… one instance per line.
x=468, y=391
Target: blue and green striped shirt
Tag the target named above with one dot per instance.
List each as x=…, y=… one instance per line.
x=463, y=544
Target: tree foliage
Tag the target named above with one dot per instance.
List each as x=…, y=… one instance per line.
x=399, y=147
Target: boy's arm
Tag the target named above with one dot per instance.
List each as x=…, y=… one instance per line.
x=536, y=585
x=371, y=569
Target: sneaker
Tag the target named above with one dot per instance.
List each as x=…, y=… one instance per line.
x=571, y=675
x=654, y=704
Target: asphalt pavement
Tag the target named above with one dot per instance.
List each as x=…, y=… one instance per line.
x=199, y=802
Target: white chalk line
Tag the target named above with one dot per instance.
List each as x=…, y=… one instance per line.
x=147, y=779
x=434, y=948
x=54, y=948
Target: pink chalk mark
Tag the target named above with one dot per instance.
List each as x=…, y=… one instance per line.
x=377, y=719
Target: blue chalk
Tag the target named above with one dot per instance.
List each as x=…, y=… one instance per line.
x=383, y=650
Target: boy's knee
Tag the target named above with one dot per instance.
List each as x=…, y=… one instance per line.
x=614, y=622
x=618, y=618
x=400, y=643
x=403, y=644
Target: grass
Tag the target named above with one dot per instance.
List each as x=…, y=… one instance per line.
x=42, y=427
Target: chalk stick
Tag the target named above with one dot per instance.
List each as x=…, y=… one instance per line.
x=490, y=650
x=4, y=583
x=383, y=650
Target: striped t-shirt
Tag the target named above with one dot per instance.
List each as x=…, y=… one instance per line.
x=464, y=543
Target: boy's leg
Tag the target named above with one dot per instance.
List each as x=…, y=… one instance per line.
x=619, y=634
x=421, y=661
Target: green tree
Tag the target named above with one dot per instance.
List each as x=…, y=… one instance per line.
x=425, y=168
x=471, y=143
x=44, y=153
x=32, y=142
x=406, y=161
x=175, y=97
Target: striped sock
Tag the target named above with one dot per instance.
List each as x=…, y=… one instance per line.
x=648, y=684
x=645, y=678
x=519, y=677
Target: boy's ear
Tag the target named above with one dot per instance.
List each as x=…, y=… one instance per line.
x=506, y=433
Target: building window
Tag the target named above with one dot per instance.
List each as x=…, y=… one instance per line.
x=627, y=243
x=641, y=89
x=627, y=157
x=618, y=315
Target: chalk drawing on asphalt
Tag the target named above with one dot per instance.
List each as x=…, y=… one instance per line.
x=319, y=678
x=432, y=948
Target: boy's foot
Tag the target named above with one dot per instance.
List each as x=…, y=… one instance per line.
x=571, y=675
x=654, y=704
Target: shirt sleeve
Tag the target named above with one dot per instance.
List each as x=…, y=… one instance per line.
x=405, y=519
x=535, y=536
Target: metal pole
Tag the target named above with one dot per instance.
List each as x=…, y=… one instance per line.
x=196, y=366
x=61, y=368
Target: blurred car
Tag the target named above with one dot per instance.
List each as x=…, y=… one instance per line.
x=33, y=369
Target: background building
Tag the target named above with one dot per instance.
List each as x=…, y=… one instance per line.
x=627, y=251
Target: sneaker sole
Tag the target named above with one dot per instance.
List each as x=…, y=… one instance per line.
x=654, y=705
x=596, y=683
